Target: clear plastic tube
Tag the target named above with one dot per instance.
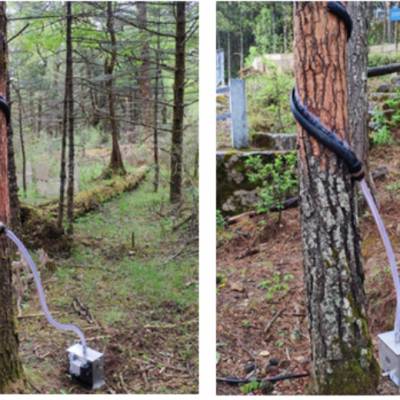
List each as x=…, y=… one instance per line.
x=389, y=252
x=42, y=298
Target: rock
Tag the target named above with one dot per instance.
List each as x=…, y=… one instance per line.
x=395, y=80
x=295, y=335
x=240, y=201
x=231, y=174
x=284, y=364
x=266, y=386
x=264, y=353
x=380, y=172
x=273, y=361
x=249, y=367
x=384, y=88
x=301, y=359
x=237, y=287
x=275, y=141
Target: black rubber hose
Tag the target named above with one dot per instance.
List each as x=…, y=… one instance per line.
x=324, y=136
x=5, y=108
x=233, y=380
x=313, y=125
x=337, y=8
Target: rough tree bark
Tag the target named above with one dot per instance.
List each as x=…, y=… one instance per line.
x=342, y=351
x=116, y=165
x=155, y=110
x=15, y=216
x=144, y=71
x=70, y=105
x=178, y=110
x=357, y=66
x=10, y=367
x=63, y=174
x=21, y=138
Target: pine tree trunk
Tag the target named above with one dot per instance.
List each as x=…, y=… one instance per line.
x=144, y=72
x=10, y=367
x=342, y=351
x=70, y=105
x=116, y=165
x=178, y=112
x=357, y=64
x=155, y=111
x=228, y=58
x=21, y=139
x=15, y=216
x=63, y=174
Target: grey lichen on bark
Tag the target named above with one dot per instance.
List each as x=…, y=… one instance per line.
x=342, y=352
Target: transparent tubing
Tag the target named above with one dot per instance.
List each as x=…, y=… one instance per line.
x=63, y=327
x=389, y=252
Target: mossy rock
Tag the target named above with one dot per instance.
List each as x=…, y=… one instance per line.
x=232, y=174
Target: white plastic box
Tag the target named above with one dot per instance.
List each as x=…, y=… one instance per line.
x=90, y=370
x=389, y=355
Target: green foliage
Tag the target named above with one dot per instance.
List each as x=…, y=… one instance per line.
x=268, y=100
x=382, y=137
x=276, y=180
x=273, y=28
x=250, y=387
x=220, y=220
x=378, y=59
x=382, y=124
x=393, y=187
x=277, y=284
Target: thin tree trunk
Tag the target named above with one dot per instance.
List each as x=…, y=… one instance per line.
x=70, y=105
x=39, y=115
x=15, y=217
x=342, y=353
x=144, y=72
x=228, y=58
x=116, y=165
x=21, y=138
x=10, y=366
x=63, y=175
x=155, y=112
x=178, y=113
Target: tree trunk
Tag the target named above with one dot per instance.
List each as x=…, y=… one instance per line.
x=39, y=115
x=21, y=138
x=342, y=351
x=357, y=67
x=70, y=105
x=10, y=367
x=63, y=175
x=144, y=72
x=155, y=111
x=228, y=57
x=116, y=165
x=15, y=216
x=178, y=112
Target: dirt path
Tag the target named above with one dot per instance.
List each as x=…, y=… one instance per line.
x=262, y=323
x=142, y=307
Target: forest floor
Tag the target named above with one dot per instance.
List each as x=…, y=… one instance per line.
x=137, y=304
x=262, y=323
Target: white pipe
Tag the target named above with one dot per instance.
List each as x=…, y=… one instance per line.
x=389, y=251
x=42, y=298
